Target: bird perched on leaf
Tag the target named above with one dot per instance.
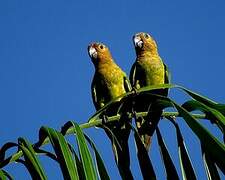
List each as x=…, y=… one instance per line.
x=148, y=70
x=108, y=83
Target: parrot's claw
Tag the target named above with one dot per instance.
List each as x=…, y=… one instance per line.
x=134, y=91
x=173, y=117
x=134, y=113
x=104, y=119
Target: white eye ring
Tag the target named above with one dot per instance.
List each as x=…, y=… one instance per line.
x=93, y=53
x=146, y=35
x=101, y=46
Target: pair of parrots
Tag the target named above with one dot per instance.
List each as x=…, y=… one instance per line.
x=110, y=82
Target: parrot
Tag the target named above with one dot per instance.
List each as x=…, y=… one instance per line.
x=148, y=69
x=109, y=82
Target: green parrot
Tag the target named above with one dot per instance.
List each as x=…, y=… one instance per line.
x=108, y=83
x=147, y=70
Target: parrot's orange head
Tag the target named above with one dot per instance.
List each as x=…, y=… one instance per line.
x=143, y=42
x=99, y=52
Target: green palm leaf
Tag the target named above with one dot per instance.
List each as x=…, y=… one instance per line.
x=31, y=160
x=185, y=162
x=210, y=166
x=213, y=146
x=63, y=153
x=171, y=172
x=5, y=175
x=211, y=113
x=86, y=159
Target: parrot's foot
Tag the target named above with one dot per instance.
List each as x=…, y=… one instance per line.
x=134, y=113
x=134, y=91
x=104, y=119
x=172, y=118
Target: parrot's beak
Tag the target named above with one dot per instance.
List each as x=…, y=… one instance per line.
x=92, y=52
x=138, y=41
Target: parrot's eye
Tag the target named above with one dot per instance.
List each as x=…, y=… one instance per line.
x=101, y=46
x=146, y=36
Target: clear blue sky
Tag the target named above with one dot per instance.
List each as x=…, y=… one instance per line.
x=45, y=71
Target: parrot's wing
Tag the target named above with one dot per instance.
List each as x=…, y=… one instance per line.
x=133, y=75
x=94, y=95
x=167, y=78
x=127, y=84
x=167, y=74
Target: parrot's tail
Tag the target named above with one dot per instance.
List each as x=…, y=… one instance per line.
x=147, y=125
x=118, y=133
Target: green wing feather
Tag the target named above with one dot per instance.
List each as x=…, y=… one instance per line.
x=132, y=75
x=94, y=95
x=127, y=84
x=167, y=74
x=97, y=96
